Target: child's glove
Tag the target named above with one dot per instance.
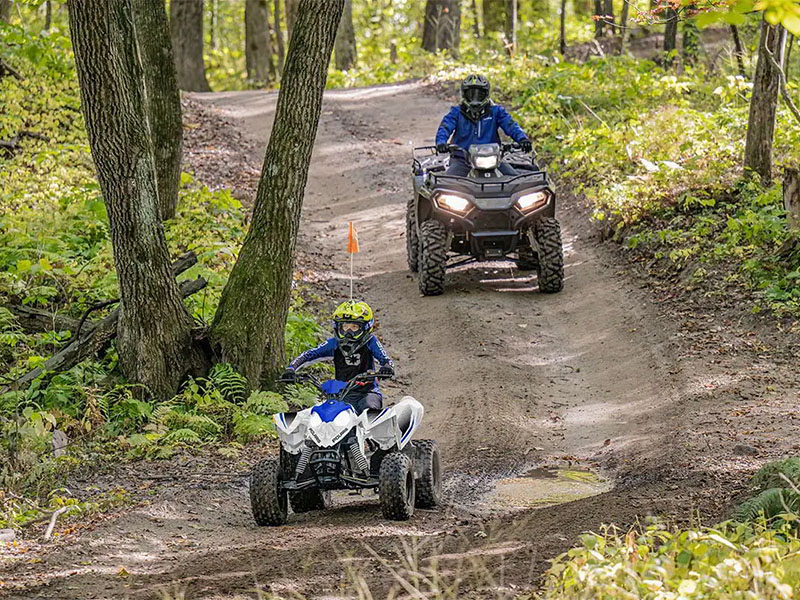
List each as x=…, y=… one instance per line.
x=441, y=148
x=526, y=146
x=289, y=376
x=386, y=370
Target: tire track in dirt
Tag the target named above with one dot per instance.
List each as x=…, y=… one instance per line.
x=511, y=379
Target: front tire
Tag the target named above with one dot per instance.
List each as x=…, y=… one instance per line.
x=412, y=238
x=429, y=483
x=550, y=270
x=267, y=500
x=397, y=487
x=433, y=257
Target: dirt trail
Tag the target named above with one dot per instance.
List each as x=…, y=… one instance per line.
x=511, y=380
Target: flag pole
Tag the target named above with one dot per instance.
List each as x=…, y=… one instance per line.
x=351, y=275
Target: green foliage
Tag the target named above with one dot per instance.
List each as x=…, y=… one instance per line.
x=774, y=474
x=769, y=504
x=730, y=561
x=231, y=385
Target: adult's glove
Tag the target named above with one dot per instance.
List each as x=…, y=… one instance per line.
x=526, y=146
x=386, y=370
x=289, y=376
x=442, y=148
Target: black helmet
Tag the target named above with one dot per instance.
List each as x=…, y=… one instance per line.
x=475, y=96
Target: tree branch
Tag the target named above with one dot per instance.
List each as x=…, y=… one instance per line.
x=782, y=78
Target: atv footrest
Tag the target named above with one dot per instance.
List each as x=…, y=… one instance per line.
x=293, y=486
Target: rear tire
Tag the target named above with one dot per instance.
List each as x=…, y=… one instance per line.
x=550, y=270
x=397, y=489
x=528, y=260
x=433, y=257
x=310, y=499
x=268, y=502
x=429, y=483
x=412, y=238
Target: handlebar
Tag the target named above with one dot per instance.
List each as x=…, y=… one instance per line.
x=505, y=148
x=309, y=378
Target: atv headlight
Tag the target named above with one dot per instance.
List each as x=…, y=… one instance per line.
x=453, y=202
x=531, y=201
x=486, y=162
x=342, y=419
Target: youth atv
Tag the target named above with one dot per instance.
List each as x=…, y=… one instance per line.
x=484, y=216
x=330, y=447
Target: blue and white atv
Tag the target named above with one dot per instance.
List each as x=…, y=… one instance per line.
x=330, y=447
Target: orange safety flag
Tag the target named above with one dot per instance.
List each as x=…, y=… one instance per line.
x=352, y=240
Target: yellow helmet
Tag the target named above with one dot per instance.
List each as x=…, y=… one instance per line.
x=353, y=321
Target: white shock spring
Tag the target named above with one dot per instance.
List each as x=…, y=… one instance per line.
x=357, y=457
x=302, y=463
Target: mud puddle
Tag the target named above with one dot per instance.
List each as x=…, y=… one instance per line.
x=547, y=486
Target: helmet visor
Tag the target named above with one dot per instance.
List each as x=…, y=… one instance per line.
x=350, y=329
x=476, y=95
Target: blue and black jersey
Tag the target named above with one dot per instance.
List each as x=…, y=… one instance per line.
x=346, y=367
x=465, y=132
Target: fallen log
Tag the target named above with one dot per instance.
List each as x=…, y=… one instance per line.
x=37, y=320
x=90, y=342
x=94, y=338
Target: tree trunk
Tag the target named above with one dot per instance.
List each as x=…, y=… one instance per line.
x=670, y=36
x=186, y=27
x=250, y=321
x=344, y=51
x=163, y=101
x=690, y=49
x=562, y=38
x=258, y=45
x=291, y=17
x=494, y=16
x=791, y=196
x=279, y=36
x=511, y=26
x=442, y=27
x=5, y=10
x=623, y=32
x=214, y=24
x=48, y=14
x=764, y=103
x=476, y=26
x=608, y=12
x=599, y=19
x=154, y=327
x=737, y=44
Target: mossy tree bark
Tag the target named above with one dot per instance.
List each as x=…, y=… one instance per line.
x=5, y=10
x=442, y=26
x=154, y=327
x=690, y=46
x=764, y=102
x=186, y=28
x=344, y=52
x=276, y=10
x=162, y=98
x=258, y=42
x=249, y=324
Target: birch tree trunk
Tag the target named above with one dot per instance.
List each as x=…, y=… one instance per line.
x=249, y=324
x=764, y=102
x=154, y=328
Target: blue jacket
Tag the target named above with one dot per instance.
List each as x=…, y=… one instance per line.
x=466, y=132
x=372, y=351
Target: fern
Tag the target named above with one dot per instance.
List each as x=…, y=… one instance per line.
x=265, y=403
x=768, y=504
x=249, y=426
x=181, y=436
x=232, y=385
x=769, y=476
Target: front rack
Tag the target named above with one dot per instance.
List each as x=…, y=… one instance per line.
x=493, y=185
